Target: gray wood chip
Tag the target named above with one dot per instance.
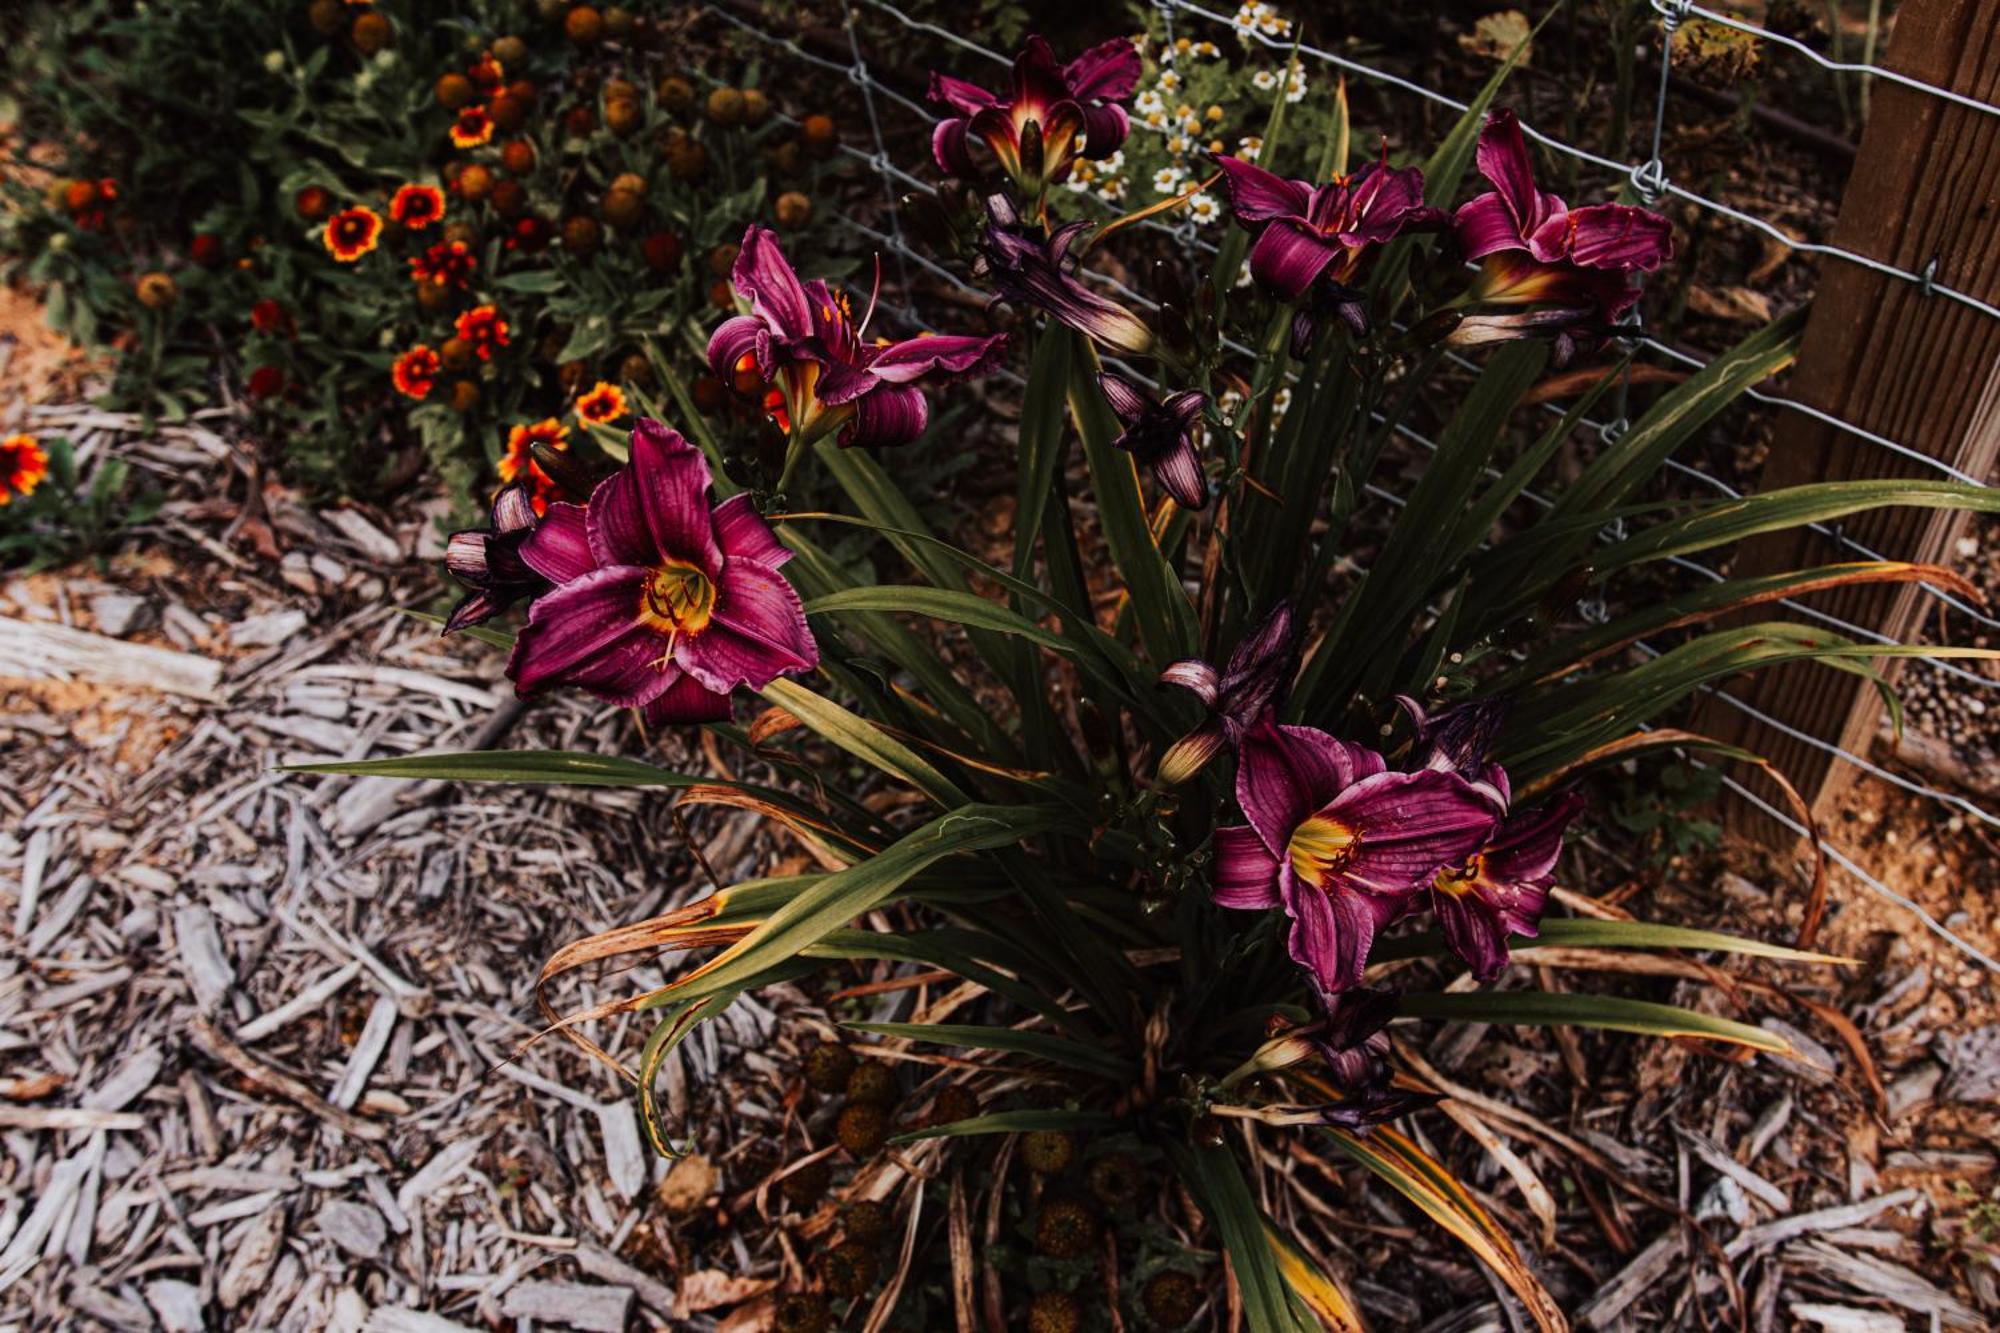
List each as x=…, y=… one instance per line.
x=585, y=1306
x=354, y=1227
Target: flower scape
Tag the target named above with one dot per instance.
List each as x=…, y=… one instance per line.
x=1175, y=815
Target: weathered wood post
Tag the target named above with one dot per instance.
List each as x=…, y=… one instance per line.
x=1922, y=370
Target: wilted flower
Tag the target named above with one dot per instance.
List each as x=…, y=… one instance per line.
x=1353, y=1042
x=1160, y=435
x=265, y=382
x=662, y=602
x=269, y=316
x=603, y=404
x=1027, y=268
x=1459, y=739
x=485, y=328
x=802, y=338
x=518, y=463
x=1339, y=842
x=416, y=206
x=352, y=233
x=23, y=465
x=1237, y=698
x=1056, y=114
x=488, y=561
x=472, y=128
x=1536, y=250
x=1311, y=240
x=1504, y=887
x=448, y=264
x=415, y=372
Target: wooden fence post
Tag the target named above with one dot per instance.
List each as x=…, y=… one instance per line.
x=1922, y=370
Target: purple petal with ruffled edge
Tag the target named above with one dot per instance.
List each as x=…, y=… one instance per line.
x=892, y=414
x=1620, y=236
x=767, y=280
x=1105, y=129
x=1385, y=202
x=1285, y=773
x=1410, y=826
x=1486, y=225
x=957, y=94
x=1106, y=72
x=949, y=150
x=737, y=337
x=687, y=702
x=1333, y=931
x=937, y=355
x=588, y=633
x=656, y=506
x=756, y=633
x=1246, y=874
x=1528, y=845
x=560, y=549
x=1257, y=195
x=1503, y=160
x=1473, y=932
x=1288, y=258
x=745, y=535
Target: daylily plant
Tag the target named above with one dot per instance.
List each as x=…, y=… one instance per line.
x=1024, y=267
x=1253, y=683
x=1054, y=115
x=802, y=338
x=1159, y=433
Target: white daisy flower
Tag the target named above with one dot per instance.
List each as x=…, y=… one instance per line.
x=1248, y=148
x=1295, y=87
x=1229, y=404
x=1208, y=50
x=1167, y=180
x=1113, y=190
x=1156, y=119
x=1148, y=102
x=1264, y=80
x=1170, y=82
x=1204, y=210
x=1116, y=162
x=1280, y=401
x=1245, y=21
x=1178, y=144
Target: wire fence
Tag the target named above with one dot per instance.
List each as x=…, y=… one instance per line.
x=1647, y=179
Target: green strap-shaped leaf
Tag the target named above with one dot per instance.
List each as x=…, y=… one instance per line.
x=1590, y=933
x=863, y=739
x=960, y=608
x=1571, y=1009
x=1014, y=1122
x=1216, y=1179
x=978, y=1037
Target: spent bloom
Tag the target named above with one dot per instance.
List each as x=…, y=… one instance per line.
x=488, y=561
x=1254, y=682
x=1339, y=842
x=663, y=600
x=1053, y=115
x=23, y=465
x=485, y=328
x=1312, y=240
x=270, y=316
x=416, y=206
x=1535, y=250
x=352, y=233
x=801, y=338
x=415, y=372
x=1159, y=434
x=1027, y=268
x=447, y=264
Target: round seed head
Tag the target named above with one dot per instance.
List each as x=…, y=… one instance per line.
x=1048, y=1152
x=1054, y=1312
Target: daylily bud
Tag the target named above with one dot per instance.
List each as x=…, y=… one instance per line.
x=1431, y=330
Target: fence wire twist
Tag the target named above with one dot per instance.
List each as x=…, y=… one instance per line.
x=1648, y=181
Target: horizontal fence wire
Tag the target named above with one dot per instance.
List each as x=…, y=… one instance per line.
x=1648, y=178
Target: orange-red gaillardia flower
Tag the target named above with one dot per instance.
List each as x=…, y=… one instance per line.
x=487, y=72
x=23, y=464
x=604, y=404
x=518, y=464
x=416, y=372
x=352, y=233
x=472, y=128
x=270, y=316
x=448, y=264
x=483, y=327
x=417, y=206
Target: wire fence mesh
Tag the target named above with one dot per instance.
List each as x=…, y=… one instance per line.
x=1647, y=179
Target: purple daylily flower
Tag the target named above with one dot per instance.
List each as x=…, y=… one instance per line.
x=661, y=601
x=1537, y=250
x=1339, y=842
x=1459, y=739
x=488, y=560
x=1311, y=240
x=802, y=337
x=1237, y=698
x=1503, y=888
x=1056, y=114
x=1027, y=268
x=1160, y=434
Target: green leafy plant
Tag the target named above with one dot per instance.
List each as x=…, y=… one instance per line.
x=68, y=511
x=979, y=762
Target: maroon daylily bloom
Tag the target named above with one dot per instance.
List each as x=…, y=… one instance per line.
x=488, y=561
x=1160, y=434
x=802, y=336
x=1056, y=114
x=661, y=602
x=1339, y=842
x=1459, y=739
x=1237, y=698
x=1028, y=268
x=1312, y=240
x=1504, y=887
x=1537, y=250
x=1353, y=1041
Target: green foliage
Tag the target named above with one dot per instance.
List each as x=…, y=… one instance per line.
x=76, y=511
x=1669, y=808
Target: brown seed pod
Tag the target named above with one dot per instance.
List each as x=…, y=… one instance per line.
x=724, y=107
x=801, y=1312
x=510, y=50
x=873, y=1082
x=1054, y=1312
x=792, y=210
x=636, y=370
x=865, y=1219
x=787, y=158
x=581, y=235
x=1048, y=1152
x=954, y=1103
x=619, y=22
x=806, y=1186
x=687, y=160
x=1067, y=1229
x=156, y=291
x=571, y=375
x=463, y=232
x=313, y=203
x=584, y=25
x=756, y=106
x=454, y=91
x=1170, y=1298
x=517, y=157
x=818, y=134
x=1115, y=1180
x=863, y=1128
x=623, y=208
x=464, y=396
x=522, y=91
x=508, y=113
x=828, y=1064
x=433, y=295
x=676, y=94
x=79, y=196
x=721, y=295
x=371, y=32
x=723, y=258
x=709, y=395
x=509, y=199
x=326, y=16
x=620, y=90
x=476, y=181
x=624, y=117
x=849, y=1270
x=662, y=251
x=629, y=181
x=456, y=353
